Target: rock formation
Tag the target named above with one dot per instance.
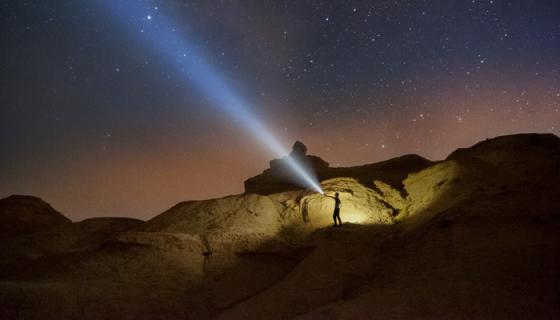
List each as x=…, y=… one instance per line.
x=473, y=236
x=279, y=178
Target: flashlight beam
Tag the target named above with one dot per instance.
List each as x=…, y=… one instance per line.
x=157, y=31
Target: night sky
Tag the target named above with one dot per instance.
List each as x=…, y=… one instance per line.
x=96, y=119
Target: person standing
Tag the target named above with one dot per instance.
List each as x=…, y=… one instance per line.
x=336, y=213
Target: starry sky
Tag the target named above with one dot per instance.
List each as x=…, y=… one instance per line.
x=95, y=120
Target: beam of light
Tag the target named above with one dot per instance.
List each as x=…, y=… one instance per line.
x=153, y=28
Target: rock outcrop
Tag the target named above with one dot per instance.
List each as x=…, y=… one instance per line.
x=279, y=177
x=240, y=222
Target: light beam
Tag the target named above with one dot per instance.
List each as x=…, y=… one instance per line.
x=160, y=33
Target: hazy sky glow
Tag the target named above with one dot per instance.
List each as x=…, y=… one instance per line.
x=97, y=122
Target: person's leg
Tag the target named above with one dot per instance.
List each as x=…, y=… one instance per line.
x=336, y=215
x=339, y=221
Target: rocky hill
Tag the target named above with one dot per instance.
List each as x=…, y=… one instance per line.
x=26, y=214
x=476, y=235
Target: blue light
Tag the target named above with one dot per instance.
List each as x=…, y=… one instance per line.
x=178, y=51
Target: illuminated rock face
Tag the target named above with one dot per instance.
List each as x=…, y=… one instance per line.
x=243, y=221
x=246, y=221
x=440, y=187
x=359, y=204
x=517, y=161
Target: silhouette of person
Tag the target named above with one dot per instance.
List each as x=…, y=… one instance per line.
x=336, y=213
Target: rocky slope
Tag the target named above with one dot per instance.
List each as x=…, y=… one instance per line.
x=473, y=236
x=26, y=214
